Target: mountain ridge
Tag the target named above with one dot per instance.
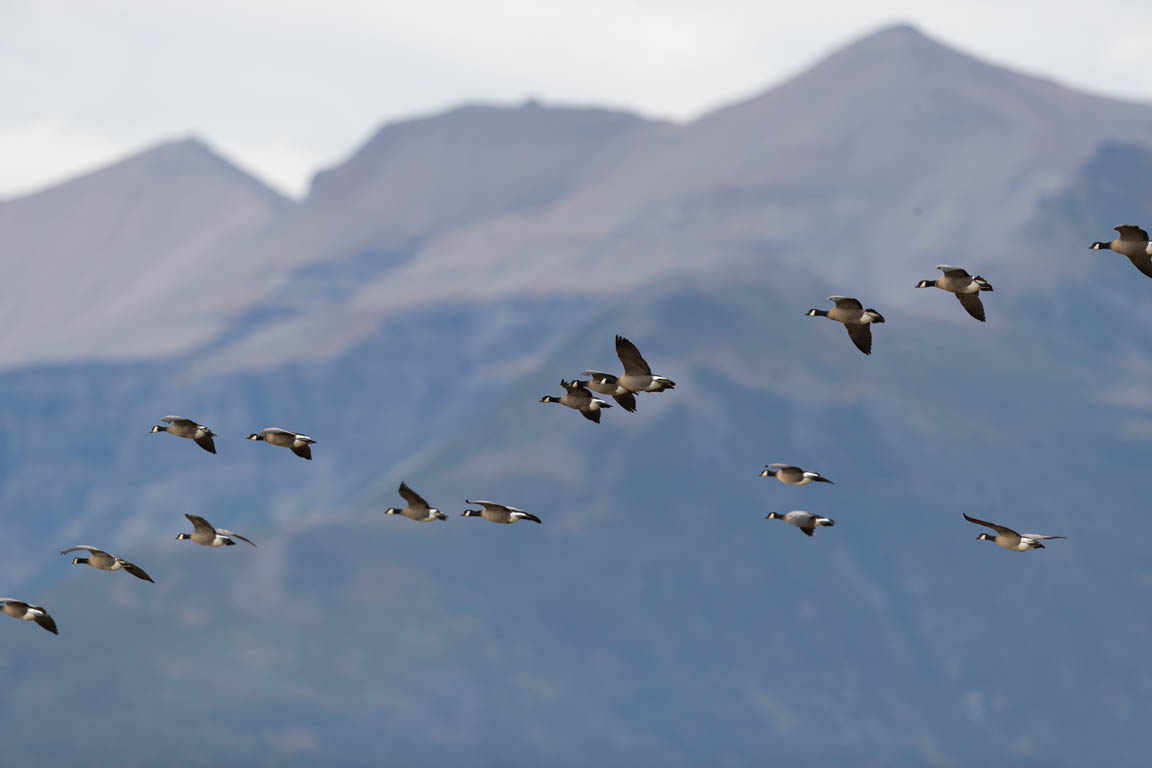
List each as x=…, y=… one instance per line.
x=654, y=617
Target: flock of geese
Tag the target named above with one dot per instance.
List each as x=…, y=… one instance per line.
x=637, y=378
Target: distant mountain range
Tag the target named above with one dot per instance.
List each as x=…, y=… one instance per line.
x=409, y=313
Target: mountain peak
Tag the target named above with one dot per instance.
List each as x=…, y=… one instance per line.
x=900, y=45
x=473, y=127
x=188, y=156
x=901, y=33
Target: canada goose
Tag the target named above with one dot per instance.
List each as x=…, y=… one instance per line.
x=300, y=444
x=417, y=508
x=855, y=318
x=967, y=288
x=103, y=561
x=607, y=384
x=579, y=397
x=805, y=521
x=637, y=374
x=182, y=427
x=1009, y=539
x=25, y=612
x=790, y=475
x=498, y=513
x=208, y=536
x=1133, y=243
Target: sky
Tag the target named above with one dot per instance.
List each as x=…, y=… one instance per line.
x=284, y=88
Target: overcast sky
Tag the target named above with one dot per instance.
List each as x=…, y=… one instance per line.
x=284, y=87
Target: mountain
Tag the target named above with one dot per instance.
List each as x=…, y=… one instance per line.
x=100, y=267
x=409, y=314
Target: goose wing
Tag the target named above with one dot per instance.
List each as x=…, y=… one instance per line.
x=627, y=401
x=200, y=524
x=527, y=516
x=43, y=619
x=84, y=547
x=1142, y=262
x=591, y=415
x=861, y=335
x=493, y=506
x=634, y=362
x=951, y=271
x=1041, y=536
x=1131, y=232
x=414, y=499
x=847, y=302
x=971, y=302
x=605, y=378
x=993, y=526
x=206, y=442
x=233, y=535
x=137, y=571
x=303, y=451
x=178, y=419
x=576, y=387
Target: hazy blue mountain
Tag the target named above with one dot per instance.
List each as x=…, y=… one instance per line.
x=410, y=313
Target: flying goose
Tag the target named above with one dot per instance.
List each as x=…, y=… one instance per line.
x=25, y=612
x=182, y=427
x=855, y=318
x=103, y=561
x=637, y=376
x=498, y=513
x=967, y=288
x=791, y=475
x=578, y=396
x=1009, y=539
x=299, y=443
x=208, y=536
x=417, y=508
x=1133, y=243
x=607, y=384
x=805, y=521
